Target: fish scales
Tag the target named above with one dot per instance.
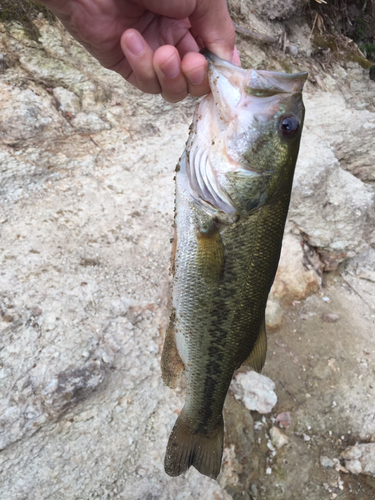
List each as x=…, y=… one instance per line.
x=229, y=227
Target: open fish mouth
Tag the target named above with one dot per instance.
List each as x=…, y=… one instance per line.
x=231, y=85
x=257, y=81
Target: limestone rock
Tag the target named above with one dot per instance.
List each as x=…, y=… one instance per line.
x=274, y=315
x=332, y=207
x=278, y=438
x=25, y=115
x=256, y=391
x=326, y=461
x=360, y=459
x=67, y=100
x=299, y=271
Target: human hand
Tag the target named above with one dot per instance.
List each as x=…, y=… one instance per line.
x=153, y=44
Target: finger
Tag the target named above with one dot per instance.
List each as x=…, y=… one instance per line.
x=175, y=9
x=194, y=68
x=187, y=44
x=212, y=23
x=167, y=66
x=139, y=56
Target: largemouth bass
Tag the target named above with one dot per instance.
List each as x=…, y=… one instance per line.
x=233, y=186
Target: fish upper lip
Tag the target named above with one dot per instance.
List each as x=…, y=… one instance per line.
x=281, y=82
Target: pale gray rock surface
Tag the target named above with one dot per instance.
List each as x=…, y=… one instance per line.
x=256, y=391
x=322, y=184
x=67, y=101
x=360, y=459
x=326, y=461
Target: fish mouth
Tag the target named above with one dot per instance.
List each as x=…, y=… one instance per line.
x=230, y=84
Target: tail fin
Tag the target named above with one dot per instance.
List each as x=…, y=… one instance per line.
x=188, y=447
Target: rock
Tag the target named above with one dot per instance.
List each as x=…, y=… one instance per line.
x=330, y=205
x=284, y=419
x=25, y=115
x=360, y=459
x=280, y=10
x=292, y=49
x=245, y=11
x=255, y=391
x=299, y=271
x=363, y=265
x=326, y=462
x=67, y=100
x=330, y=317
x=89, y=123
x=278, y=438
x=271, y=10
x=274, y=315
x=354, y=466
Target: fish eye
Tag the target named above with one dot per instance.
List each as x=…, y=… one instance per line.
x=288, y=125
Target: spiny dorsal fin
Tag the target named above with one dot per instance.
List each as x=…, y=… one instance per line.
x=257, y=356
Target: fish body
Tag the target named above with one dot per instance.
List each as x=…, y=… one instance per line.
x=233, y=186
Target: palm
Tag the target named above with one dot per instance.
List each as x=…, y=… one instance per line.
x=153, y=48
x=100, y=24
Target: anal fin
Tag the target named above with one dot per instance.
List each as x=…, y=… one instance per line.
x=171, y=363
x=257, y=356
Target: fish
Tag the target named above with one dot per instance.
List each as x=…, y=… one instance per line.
x=233, y=188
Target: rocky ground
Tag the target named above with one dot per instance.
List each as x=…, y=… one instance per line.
x=86, y=217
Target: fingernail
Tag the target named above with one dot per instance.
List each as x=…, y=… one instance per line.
x=171, y=68
x=135, y=43
x=196, y=77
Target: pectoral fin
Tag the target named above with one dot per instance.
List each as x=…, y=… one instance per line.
x=257, y=356
x=171, y=363
x=210, y=254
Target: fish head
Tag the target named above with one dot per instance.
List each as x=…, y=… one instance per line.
x=249, y=128
x=262, y=113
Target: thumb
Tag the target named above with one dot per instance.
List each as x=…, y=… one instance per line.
x=211, y=22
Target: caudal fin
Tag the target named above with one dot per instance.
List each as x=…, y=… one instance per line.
x=188, y=447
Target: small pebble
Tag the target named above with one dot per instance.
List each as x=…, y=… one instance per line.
x=292, y=49
x=278, y=438
x=284, y=419
x=326, y=462
x=330, y=317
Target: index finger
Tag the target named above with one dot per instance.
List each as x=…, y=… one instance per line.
x=211, y=22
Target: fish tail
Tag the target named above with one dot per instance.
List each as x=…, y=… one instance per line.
x=187, y=446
